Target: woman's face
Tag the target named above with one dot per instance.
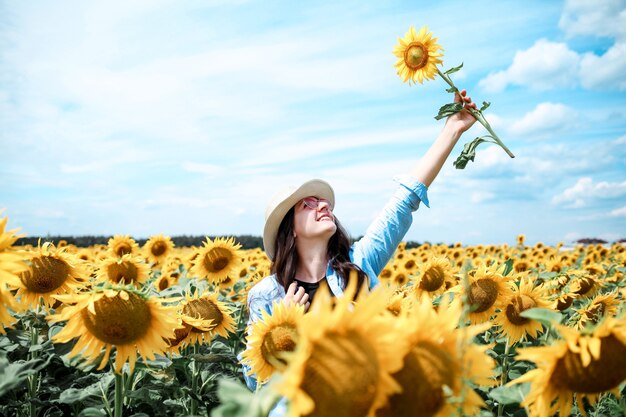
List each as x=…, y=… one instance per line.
x=313, y=218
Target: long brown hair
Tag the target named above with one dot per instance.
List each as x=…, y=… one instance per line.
x=286, y=258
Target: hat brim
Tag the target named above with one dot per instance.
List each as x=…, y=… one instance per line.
x=283, y=201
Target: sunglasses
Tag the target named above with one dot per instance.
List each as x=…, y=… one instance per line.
x=314, y=202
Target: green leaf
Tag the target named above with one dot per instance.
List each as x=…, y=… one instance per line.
x=74, y=395
x=448, y=110
x=452, y=90
x=508, y=267
x=468, y=153
x=543, y=316
x=453, y=70
x=507, y=395
x=237, y=401
x=485, y=106
x=92, y=412
x=15, y=374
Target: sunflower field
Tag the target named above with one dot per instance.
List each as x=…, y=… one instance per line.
x=123, y=330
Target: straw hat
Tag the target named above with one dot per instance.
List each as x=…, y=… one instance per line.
x=284, y=200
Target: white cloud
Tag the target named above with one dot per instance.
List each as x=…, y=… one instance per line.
x=620, y=212
x=620, y=141
x=594, y=18
x=481, y=196
x=543, y=66
x=585, y=189
x=545, y=117
x=606, y=71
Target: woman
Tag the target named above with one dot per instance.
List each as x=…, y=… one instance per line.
x=309, y=247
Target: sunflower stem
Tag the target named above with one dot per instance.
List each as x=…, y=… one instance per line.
x=194, y=380
x=478, y=115
x=119, y=393
x=33, y=380
x=505, y=373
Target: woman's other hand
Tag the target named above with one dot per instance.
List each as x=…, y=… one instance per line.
x=462, y=120
x=297, y=295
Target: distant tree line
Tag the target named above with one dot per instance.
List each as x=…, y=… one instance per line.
x=246, y=241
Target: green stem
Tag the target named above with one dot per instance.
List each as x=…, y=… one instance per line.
x=505, y=373
x=479, y=116
x=33, y=380
x=119, y=394
x=194, y=380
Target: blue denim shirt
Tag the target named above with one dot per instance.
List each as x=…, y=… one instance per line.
x=371, y=253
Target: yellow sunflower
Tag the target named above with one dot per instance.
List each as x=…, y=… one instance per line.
x=596, y=309
x=7, y=304
x=581, y=365
x=434, y=278
x=123, y=270
x=400, y=302
x=442, y=360
x=487, y=291
x=51, y=271
x=158, y=248
x=122, y=245
x=345, y=355
x=118, y=318
x=527, y=296
x=270, y=338
x=418, y=55
x=217, y=260
x=10, y=262
x=207, y=315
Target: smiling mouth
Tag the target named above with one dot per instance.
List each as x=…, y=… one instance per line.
x=324, y=217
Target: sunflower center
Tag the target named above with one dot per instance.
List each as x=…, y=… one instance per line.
x=179, y=335
x=516, y=306
x=123, y=271
x=600, y=375
x=163, y=283
x=426, y=369
x=217, y=259
x=416, y=55
x=342, y=375
x=433, y=279
x=482, y=294
x=123, y=249
x=564, y=302
x=118, y=321
x=585, y=285
x=204, y=309
x=159, y=248
x=277, y=340
x=46, y=274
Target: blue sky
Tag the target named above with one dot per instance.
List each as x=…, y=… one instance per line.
x=146, y=117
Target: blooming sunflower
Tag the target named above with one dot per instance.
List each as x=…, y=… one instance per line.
x=487, y=291
x=433, y=277
x=418, y=55
x=10, y=262
x=118, y=318
x=51, y=271
x=7, y=303
x=157, y=248
x=597, y=308
x=344, y=357
x=207, y=315
x=527, y=296
x=270, y=338
x=123, y=270
x=441, y=361
x=217, y=259
x=122, y=245
x=584, y=365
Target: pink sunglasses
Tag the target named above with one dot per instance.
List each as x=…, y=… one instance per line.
x=314, y=202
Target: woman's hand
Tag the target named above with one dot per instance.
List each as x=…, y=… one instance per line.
x=297, y=295
x=462, y=120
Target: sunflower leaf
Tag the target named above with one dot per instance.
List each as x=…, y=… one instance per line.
x=507, y=395
x=485, y=106
x=448, y=110
x=543, y=315
x=468, y=153
x=452, y=90
x=508, y=267
x=453, y=70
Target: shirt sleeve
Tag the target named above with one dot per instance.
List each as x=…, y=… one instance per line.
x=388, y=229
